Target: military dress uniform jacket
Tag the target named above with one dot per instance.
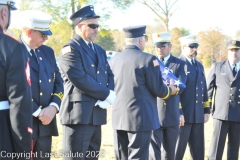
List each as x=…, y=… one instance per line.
x=194, y=99
x=47, y=87
x=16, y=122
x=87, y=79
x=168, y=110
x=226, y=105
x=138, y=83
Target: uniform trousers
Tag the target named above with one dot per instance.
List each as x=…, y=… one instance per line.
x=220, y=130
x=163, y=143
x=131, y=145
x=193, y=135
x=42, y=148
x=81, y=142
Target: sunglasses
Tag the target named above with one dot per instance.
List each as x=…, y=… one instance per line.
x=92, y=26
x=193, y=47
x=11, y=5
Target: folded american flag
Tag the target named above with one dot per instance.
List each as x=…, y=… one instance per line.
x=167, y=75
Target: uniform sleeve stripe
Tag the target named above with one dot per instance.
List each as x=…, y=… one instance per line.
x=206, y=104
x=167, y=94
x=59, y=95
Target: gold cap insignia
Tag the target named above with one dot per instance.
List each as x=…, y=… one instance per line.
x=233, y=42
x=158, y=35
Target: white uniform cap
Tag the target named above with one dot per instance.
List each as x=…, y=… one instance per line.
x=37, y=20
x=161, y=38
x=191, y=40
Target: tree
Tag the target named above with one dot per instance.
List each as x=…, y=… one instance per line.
x=105, y=40
x=176, y=45
x=212, y=46
x=164, y=9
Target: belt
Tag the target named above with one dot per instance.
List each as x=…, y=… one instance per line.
x=4, y=105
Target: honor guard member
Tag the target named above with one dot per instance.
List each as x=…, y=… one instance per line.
x=47, y=84
x=169, y=113
x=15, y=92
x=88, y=85
x=224, y=94
x=138, y=83
x=194, y=102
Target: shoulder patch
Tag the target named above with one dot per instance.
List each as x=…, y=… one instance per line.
x=155, y=63
x=66, y=49
x=185, y=69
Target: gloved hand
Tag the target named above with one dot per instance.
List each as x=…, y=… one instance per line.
x=111, y=97
x=102, y=104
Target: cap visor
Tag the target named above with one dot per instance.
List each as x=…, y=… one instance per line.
x=160, y=43
x=233, y=47
x=48, y=32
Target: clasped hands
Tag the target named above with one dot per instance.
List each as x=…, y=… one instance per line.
x=47, y=114
x=174, y=89
x=108, y=101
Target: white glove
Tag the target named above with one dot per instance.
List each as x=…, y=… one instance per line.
x=102, y=104
x=111, y=97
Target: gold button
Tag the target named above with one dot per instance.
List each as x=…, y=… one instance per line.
x=32, y=99
x=97, y=72
x=41, y=94
x=164, y=104
x=230, y=82
x=202, y=88
x=201, y=81
x=196, y=94
x=196, y=101
x=230, y=100
x=239, y=96
x=51, y=93
x=107, y=83
x=230, y=94
x=105, y=72
x=40, y=106
x=92, y=65
x=202, y=95
x=49, y=80
x=231, y=88
x=40, y=58
x=40, y=81
x=100, y=83
x=238, y=102
x=196, y=88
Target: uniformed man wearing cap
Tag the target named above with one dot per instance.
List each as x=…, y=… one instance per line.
x=15, y=92
x=88, y=85
x=224, y=94
x=47, y=84
x=169, y=113
x=138, y=82
x=194, y=102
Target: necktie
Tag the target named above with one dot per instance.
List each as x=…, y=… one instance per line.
x=34, y=55
x=234, y=70
x=193, y=63
x=162, y=59
x=91, y=46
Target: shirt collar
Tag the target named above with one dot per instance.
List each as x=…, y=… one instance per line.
x=28, y=48
x=189, y=59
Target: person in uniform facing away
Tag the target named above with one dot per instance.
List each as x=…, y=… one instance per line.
x=194, y=102
x=169, y=113
x=88, y=86
x=224, y=90
x=15, y=91
x=138, y=83
x=47, y=84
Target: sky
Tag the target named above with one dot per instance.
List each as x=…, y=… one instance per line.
x=193, y=15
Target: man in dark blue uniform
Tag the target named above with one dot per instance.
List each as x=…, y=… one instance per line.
x=47, y=84
x=224, y=89
x=138, y=83
x=169, y=113
x=88, y=87
x=194, y=102
x=15, y=92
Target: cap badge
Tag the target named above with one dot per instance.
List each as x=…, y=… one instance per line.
x=233, y=42
x=158, y=35
x=91, y=7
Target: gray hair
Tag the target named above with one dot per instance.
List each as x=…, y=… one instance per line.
x=134, y=41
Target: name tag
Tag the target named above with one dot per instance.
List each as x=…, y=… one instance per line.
x=224, y=74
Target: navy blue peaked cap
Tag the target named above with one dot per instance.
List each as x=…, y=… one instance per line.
x=84, y=13
x=135, y=31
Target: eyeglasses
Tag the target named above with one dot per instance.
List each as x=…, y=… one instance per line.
x=193, y=47
x=42, y=35
x=92, y=26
